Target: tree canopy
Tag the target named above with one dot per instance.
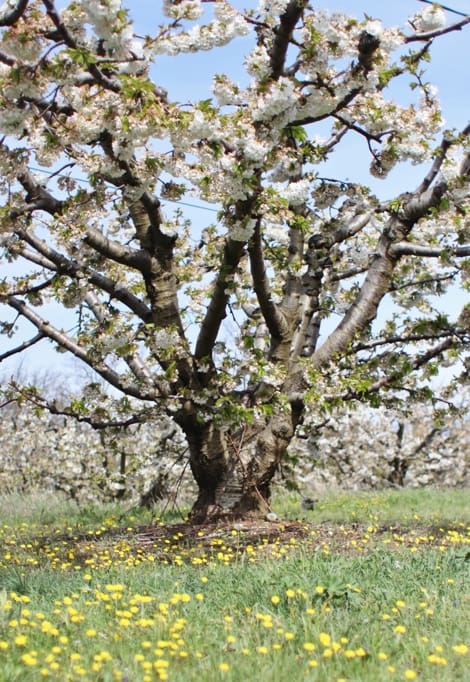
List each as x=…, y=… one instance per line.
x=335, y=293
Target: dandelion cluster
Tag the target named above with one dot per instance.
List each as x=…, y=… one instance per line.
x=105, y=628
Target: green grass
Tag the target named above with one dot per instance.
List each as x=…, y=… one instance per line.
x=298, y=610
x=404, y=507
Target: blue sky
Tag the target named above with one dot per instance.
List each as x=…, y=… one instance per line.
x=188, y=78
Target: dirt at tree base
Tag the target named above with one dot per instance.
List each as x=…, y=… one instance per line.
x=254, y=539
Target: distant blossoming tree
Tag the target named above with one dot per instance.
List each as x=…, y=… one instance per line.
x=300, y=263
x=50, y=453
x=366, y=448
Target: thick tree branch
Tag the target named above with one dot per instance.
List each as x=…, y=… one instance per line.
x=377, y=282
x=34, y=257
x=139, y=260
x=364, y=308
x=423, y=250
x=75, y=270
x=70, y=41
x=283, y=34
x=216, y=310
x=273, y=317
x=351, y=226
x=11, y=11
x=38, y=198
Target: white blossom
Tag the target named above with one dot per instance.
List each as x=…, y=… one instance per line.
x=295, y=193
x=281, y=98
x=183, y=9
x=242, y=231
x=429, y=18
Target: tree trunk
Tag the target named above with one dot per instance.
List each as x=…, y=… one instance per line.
x=233, y=470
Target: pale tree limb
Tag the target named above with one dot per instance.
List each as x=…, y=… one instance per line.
x=137, y=259
x=410, y=249
x=377, y=282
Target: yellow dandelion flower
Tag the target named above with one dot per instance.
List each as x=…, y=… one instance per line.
x=290, y=593
x=313, y=663
x=400, y=629
x=309, y=646
x=30, y=659
x=224, y=667
x=410, y=674
x=461, y=649
x=319, y=589
x=325, y=639
x=275, y=599
x=263, y=650
x=20, y=640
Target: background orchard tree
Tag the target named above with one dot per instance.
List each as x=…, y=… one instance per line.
x=299, y=262
x=373, y=448
x=141, y=463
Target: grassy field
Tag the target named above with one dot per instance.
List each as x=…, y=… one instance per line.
x=366, y=587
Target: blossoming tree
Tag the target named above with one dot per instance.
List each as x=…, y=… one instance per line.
x=298, y=262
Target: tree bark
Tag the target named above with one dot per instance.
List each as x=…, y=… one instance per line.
x=234, y=470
